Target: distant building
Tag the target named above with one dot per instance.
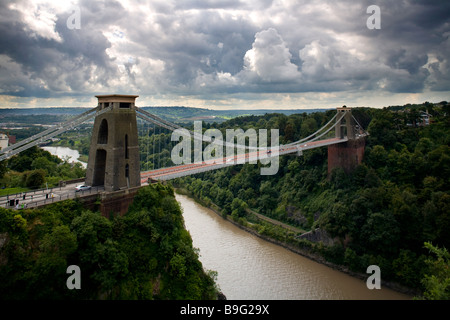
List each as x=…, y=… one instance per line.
x=4, y=141
x=426, y=118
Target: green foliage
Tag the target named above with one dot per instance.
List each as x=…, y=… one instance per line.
x=145, y=254
x=437, y=279
x=238, y=208
x=34, y=179
x=34, y=167
x=382, y=212
x=3, y=169
x=60, y=241
x=336, y=221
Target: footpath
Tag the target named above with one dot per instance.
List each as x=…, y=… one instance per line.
x=276, y=222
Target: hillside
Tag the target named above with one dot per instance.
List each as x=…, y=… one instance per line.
x=171, y=113
x=146, y=254
x=388, y=212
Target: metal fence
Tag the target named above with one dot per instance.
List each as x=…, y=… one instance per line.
x=25, y=199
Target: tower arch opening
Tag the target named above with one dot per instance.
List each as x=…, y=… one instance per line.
x=103, y=133
x=99, y=168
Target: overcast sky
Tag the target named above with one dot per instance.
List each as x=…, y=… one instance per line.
x=224, y=54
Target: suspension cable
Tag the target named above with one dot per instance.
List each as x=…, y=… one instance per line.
x=159, y=148
x=159, y=122
x=153, y=144
x=358, y=123
x=146, y=142
x=338, y=121
x=50, y=133
x=312, y=135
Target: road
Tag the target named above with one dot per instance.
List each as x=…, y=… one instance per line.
x=192, y=168
x=39, y=197
x=45, y=196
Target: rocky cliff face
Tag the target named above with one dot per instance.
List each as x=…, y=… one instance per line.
x=296, y=215
x=317, y=236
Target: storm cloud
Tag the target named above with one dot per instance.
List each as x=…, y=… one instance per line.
x=222, y=52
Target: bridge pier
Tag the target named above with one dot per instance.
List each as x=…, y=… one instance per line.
x=110, y=203
x=347, y=155
x=118, y=202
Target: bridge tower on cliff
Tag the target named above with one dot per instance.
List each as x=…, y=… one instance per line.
x=114, y=151
x=347, y=155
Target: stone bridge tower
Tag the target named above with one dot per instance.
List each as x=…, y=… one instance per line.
x=114, y=151
x=347, y=155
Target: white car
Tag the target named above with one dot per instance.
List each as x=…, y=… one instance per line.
x=82, y=187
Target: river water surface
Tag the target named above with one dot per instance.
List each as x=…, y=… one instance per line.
x=63, y=152
x=250, y=268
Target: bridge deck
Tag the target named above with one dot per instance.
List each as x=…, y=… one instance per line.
x=46, y=196
x=42, y=197
x=251, y=157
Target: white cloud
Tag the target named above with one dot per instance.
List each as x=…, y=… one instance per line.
x=270, y=58
x=208, y=50
x=317, y=59
x=40, y=17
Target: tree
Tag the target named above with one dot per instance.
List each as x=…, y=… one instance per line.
x=381, y=231
x=377, y=157
x=145, y=254
x=238, y=208
x=309, y=125
x=3, y=169
x=111, y=266
x=49, y=271
x=437, y=279
x=439, y=161
x=336, y=221
x=91, y=229
x=413, y=117
x=372, y=180
x=269, y=197
x=382, y=129
x=424, y=145
x=60, y=241
x=442, y=202
x=45, y=164
x=20, y=163
x=339, y=179
x=289, y=131
x=408, y=268
x=35, y=179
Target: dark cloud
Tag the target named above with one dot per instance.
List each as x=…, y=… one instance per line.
x=208, y=4
x=52, y=67
x=204, y=48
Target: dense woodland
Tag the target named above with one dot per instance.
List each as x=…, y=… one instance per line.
x=392, y=211
x=383, y=213
x=146, y=254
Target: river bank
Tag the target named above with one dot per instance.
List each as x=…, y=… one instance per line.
x=302, y=247
x=63, y=153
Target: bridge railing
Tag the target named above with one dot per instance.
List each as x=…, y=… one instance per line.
x=28, y=193
x=51, y=197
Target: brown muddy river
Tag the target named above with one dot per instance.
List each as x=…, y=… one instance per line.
x=250, y=268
